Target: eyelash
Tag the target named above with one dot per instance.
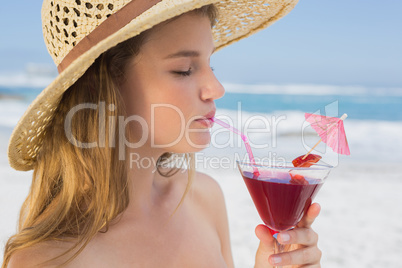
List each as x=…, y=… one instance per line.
x=188, y=72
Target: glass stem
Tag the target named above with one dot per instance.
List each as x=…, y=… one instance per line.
x=279, y=248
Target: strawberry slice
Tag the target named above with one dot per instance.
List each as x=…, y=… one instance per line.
x=298, y=179
x=306, y=162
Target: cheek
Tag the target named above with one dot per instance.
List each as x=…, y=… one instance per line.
x=167, y=123
x=166, y=108
x=198, y=139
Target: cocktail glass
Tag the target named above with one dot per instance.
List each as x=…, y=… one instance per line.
x=282, y=193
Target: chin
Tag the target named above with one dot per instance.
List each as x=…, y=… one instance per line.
x=200, y=141
x=193, y=145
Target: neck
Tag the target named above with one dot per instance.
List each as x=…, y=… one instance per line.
x=147, y=186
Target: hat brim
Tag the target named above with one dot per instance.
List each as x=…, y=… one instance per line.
x=237, y=20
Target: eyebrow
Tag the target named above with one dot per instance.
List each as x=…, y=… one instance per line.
x=185, y=53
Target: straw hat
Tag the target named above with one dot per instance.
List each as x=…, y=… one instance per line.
x=77, y=32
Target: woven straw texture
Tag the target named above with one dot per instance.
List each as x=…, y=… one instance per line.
x=67, y=22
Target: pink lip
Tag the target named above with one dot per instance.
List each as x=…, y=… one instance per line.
x=210, y=114
x=207, y=119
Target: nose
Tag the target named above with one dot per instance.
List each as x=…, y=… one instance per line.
x=211, y=88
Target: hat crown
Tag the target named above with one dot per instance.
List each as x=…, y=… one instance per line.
x=65, y=23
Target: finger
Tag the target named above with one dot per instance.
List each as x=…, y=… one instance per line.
x=265, y=248
x=300, y=236
x=303, y=256
x=309, y=217
x=263, y=233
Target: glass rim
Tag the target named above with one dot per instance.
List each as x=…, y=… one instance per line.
x=286, y=165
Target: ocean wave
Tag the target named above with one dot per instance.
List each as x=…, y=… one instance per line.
x=10, y=112
x=311, y=89
x=287, y=133
x=34, y=76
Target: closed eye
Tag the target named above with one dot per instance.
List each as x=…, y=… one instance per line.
x=185, y=73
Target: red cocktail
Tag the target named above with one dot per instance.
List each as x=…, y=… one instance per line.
x=280, y=202
x=283, y=193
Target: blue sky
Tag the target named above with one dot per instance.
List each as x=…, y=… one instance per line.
x=342, y=42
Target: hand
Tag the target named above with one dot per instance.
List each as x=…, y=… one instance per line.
x=303, y=252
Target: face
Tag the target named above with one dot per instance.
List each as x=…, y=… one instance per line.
x=171, y=86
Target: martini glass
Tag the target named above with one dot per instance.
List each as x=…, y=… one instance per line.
x=282, y=193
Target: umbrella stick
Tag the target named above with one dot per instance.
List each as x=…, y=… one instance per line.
x=311, y=149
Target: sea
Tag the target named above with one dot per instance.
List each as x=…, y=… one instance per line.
x=360, y=103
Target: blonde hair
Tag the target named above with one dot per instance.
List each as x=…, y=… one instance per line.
x=76, y=191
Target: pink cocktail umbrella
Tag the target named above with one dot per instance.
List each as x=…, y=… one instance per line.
x=331, y=131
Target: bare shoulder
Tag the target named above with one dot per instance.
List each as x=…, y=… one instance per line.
x=209, y=196
x=204, y=180
x=203, y=187
x=207, y=188
x=39, y=255
x=24, y=258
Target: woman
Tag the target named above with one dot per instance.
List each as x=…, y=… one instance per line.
x=132, y=95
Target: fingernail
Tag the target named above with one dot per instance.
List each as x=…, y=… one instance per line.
x=284, y=237
x=276, y=259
